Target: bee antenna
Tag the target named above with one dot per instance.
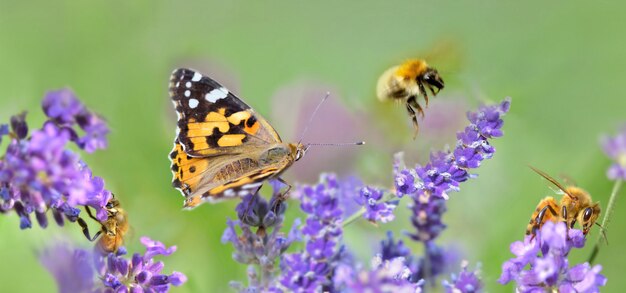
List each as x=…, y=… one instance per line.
x=603, y=231
x=552, y=180
x=306, y=128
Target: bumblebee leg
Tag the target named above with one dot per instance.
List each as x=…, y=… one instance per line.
x=409, y=109
x=432, y=90
x=412, y=101
x=424, y=93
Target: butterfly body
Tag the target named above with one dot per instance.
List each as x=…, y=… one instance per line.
x=223, y=148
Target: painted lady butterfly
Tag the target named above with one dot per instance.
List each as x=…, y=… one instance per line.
x=223, y=149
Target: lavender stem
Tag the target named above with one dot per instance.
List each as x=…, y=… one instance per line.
x=605, y=221
x=387, y=197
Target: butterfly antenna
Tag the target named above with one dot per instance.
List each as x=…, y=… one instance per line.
x=337, y=144
x=306, y=128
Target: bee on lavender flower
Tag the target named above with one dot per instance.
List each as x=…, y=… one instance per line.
x=576, y=205
x=112, y=230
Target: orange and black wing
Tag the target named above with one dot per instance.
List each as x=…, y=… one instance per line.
x=212, y=120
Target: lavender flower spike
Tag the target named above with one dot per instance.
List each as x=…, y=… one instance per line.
x=309, y=271
x=376, y=210
x=40, y=173
x=265, y=246
x=429, y=185
x=384, y=276
x=615, y=148
x=547, y=257
x=465, y=282
x=80, y=270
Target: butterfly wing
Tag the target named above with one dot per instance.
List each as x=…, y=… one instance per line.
x=219, y=140
x=216, y=178
x=212, y=120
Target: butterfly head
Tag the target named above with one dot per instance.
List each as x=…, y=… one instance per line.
x=298, y=150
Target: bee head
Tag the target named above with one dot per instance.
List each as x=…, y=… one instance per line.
x=588, y=216
x=432, y=78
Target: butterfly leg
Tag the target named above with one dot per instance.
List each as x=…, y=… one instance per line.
x=281, y=197
x=250, y=204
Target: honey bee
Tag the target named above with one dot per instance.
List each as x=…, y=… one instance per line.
x=576, y=206
x=406, y=82
x=112, y=230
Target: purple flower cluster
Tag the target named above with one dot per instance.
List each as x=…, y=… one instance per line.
x=429, y=185
x=39, y=172
x=465, y=282
x=546, y=255
x=260, y=248
x=311, y=269
x=376, y=210
x=65, y=110
x=384, y=276
x=80, y=270
x=615, y=148
x=325, y=265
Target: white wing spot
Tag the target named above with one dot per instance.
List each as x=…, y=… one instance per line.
x=188, y=84
x=229, y=193
x=196, y=76
x=177, y=83
x=193, y=103
x=216, y=94
x=187, y=93
x=252, y=185
x=243, y=192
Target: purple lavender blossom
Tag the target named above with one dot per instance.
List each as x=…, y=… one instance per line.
x=429, y=185
x=390, y=249
x=325, y=265
x=547, y=257
x=435, y=261
x=260, y=248
x=615, y=148
x=376, y=210
x=4, y=130
x=96, y=130
x=65, y=110
x=465, y=282
x=78, y=270
x=309, y=270
x=62, y=106
x=72, y=269
x=385, y=276
x=426, y=217
x=39, y=172
x=19, y=125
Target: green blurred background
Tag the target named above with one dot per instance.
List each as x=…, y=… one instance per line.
x=561, y=62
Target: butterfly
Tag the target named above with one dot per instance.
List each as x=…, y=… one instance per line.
x=223, y=148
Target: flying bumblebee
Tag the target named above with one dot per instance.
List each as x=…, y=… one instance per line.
x=406, y=82
x=112, y=230
x=576, y=206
